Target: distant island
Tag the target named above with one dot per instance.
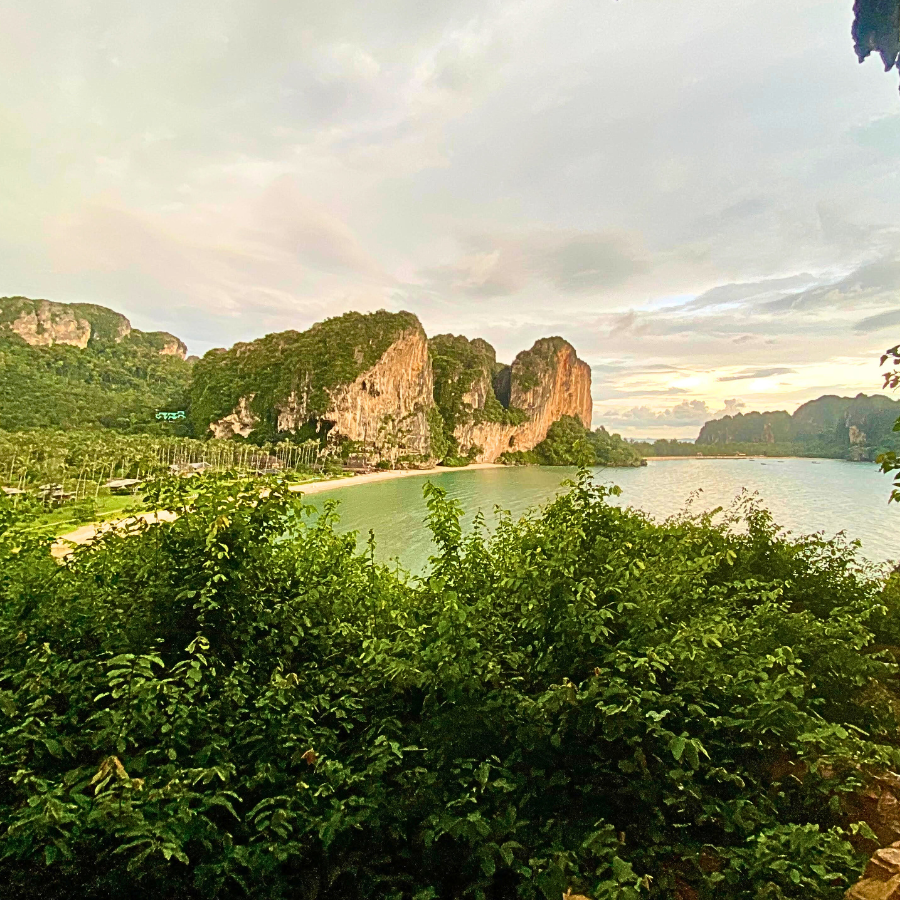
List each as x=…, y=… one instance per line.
x=856, y=428
x=373, y=387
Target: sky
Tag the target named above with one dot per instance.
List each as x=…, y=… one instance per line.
x=700, y=196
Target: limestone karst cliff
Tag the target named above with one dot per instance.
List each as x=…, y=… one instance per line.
x=545, y=383
x=46, y=323
x=362, y=378
x=371, y=383
x=376, y=380
x=857, y=427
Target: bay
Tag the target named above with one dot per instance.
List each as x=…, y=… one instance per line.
x=804, y=496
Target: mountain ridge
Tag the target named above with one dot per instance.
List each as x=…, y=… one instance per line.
x=371, y=382
x=857, y=427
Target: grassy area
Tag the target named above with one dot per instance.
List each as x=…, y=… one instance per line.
x=67, y=518
x=109, y=507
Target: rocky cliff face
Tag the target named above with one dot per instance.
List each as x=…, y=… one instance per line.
x=361, y=378
x=240, y=422
x=385, y=407
x=546, y=382
x=44, y=323
x=377, y=381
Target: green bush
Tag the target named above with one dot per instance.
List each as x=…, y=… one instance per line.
x=569, y=443
x=456, y=462
x=238, y=703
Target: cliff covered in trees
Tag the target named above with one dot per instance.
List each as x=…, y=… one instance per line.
x=857, y=427
x=366, y=378
x=370, y=384
x=376, y=382
x=489, y=409
x=45, y=323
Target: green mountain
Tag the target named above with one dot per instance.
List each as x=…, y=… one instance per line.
x=372, y=384
x=467, y=382
x=69, y=365
x=857, y=427
x=368, y=375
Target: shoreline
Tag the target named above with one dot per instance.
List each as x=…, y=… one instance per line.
x=64, y=543
x=316, y=487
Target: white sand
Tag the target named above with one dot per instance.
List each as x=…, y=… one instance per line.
x=316, y=487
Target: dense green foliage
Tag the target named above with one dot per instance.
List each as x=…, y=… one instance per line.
x=840, y=427
x=110, y=384
x=569, y=443
x=674, y=447
x=890, y=459
x=81, y=457
x=876, y=27
x=305, y=364
x=460, y=366
x=583, y=699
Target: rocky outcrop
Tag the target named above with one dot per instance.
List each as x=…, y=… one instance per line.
x=547, y=382
x=376, y=380
x=240, y=422
x=166, y=344
x=881, y=879
x=386, y=407
x=44, y=323
x=360, y=378
x=879, y=807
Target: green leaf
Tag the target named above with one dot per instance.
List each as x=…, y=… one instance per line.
x=7, y=704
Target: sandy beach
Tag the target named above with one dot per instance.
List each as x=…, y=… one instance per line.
x=64, y=543
x=316, y=487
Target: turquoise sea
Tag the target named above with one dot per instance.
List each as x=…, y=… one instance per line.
x=804, y=495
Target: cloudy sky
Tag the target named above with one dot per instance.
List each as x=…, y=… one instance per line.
x=700, y=195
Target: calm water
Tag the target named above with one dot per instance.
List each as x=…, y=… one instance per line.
x=804, y=496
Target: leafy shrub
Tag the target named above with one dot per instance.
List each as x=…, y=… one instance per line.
x=456, y=462
x=239, y=703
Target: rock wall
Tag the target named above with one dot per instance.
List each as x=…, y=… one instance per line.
x=385, y=408
x=172, y=346
x=43, y=323
x=547, y=382
x=479, y=392
x=241, y=421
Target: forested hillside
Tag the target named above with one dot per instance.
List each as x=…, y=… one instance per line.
x=113, y=385
x=71, y=365
x=857, y=427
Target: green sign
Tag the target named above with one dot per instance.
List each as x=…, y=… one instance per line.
x=170, y=415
